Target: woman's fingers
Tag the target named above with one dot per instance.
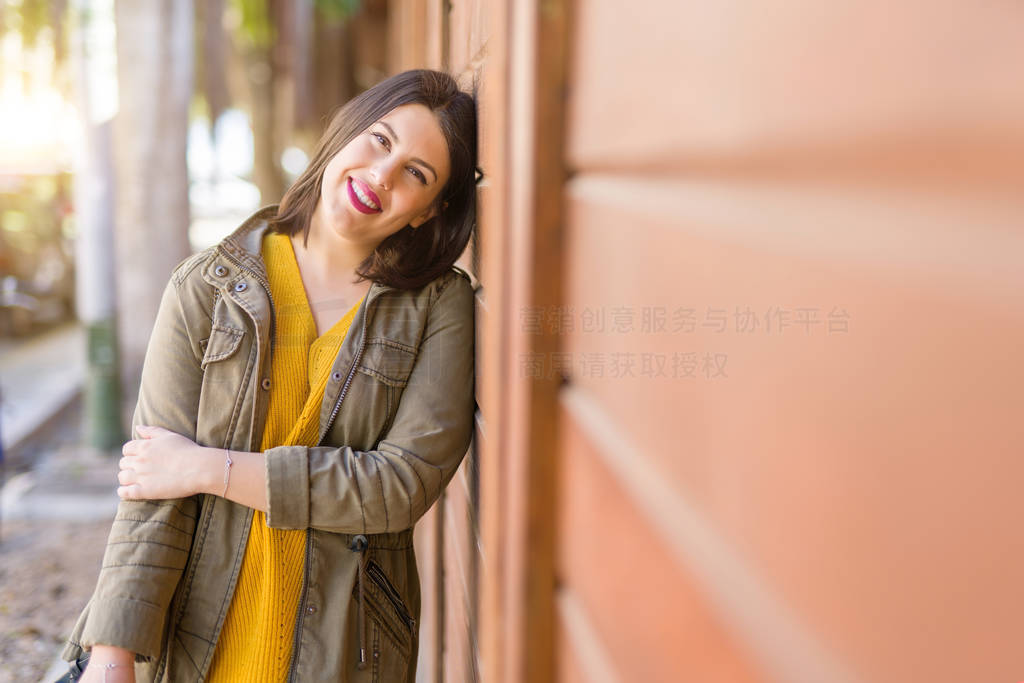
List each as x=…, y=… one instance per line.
x=130, y=487
x=135, y=446
x=128, y=477
x=146, y=434
x=129, y=492
x=155, y=465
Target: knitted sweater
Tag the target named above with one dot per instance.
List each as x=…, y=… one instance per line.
x=255, y=643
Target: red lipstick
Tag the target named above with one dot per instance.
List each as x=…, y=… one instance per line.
x=367, y=193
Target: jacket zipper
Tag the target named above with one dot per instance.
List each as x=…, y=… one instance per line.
x=348, y=380
x=265, y=283
x=378, y=577
x=309, y=535
x=300, y=617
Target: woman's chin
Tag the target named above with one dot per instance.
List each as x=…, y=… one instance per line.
x=350, y=233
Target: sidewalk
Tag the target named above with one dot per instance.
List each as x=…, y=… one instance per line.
x=38, y=377
x=55, y=506
x=71, y=484
x=41, y=379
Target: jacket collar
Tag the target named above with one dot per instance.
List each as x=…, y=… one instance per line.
x=243, y=246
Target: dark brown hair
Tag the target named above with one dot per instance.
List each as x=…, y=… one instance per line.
x=410, y=258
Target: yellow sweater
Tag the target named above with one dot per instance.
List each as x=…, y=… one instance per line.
x=255, y=643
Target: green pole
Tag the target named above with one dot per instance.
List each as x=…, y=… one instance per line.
x=102, y=412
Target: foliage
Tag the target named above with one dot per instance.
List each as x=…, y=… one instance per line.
x=31, y=16
x=34, y=18
x=256, y=26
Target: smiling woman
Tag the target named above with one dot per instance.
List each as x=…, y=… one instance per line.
x=405, y=148
x=407, y=186
x=307, y=394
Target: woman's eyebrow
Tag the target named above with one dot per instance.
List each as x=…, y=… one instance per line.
x=416, y=159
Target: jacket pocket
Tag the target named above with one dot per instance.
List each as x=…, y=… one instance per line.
x=388, y=361
x=392, y=628
x=391, y=594
x=222, y=343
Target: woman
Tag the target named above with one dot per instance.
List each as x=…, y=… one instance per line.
x=307, y=394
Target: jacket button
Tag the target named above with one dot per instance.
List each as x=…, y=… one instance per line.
x=240, y=287
x=336, y=376
x=265, y=384
x=220, y=271
x=311, y=609
x=359, y=544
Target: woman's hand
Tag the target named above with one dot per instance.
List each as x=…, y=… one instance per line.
x=162, y=464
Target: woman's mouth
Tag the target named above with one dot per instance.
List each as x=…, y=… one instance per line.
x=362, y=197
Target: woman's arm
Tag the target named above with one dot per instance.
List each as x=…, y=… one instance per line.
x=109, y=665
x=149, y=540
x=390, y=487
x=341, y=489
x=162, y=464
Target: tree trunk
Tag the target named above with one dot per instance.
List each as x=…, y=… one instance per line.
x=334, y=70
x=266, y=149
x=155, y=65
x=213, y=66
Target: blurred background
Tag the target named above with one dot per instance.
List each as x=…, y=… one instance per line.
x=131, y=135
x=750, y=305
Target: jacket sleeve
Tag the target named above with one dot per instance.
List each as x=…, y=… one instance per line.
x=387, y=489
x=149, y=541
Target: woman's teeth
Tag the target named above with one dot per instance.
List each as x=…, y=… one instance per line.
x=364, y=199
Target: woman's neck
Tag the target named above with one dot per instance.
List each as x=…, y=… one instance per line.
x=328, y=255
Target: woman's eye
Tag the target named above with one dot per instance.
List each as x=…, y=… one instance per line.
x=382, y=140
x=419, y=174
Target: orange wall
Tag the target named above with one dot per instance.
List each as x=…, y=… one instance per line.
x=839, y=504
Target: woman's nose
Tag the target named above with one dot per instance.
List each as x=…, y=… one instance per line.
x=382, y=173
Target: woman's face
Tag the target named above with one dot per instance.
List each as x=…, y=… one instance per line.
x=387, y=177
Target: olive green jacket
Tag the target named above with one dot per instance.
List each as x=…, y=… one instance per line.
x=396, y=420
